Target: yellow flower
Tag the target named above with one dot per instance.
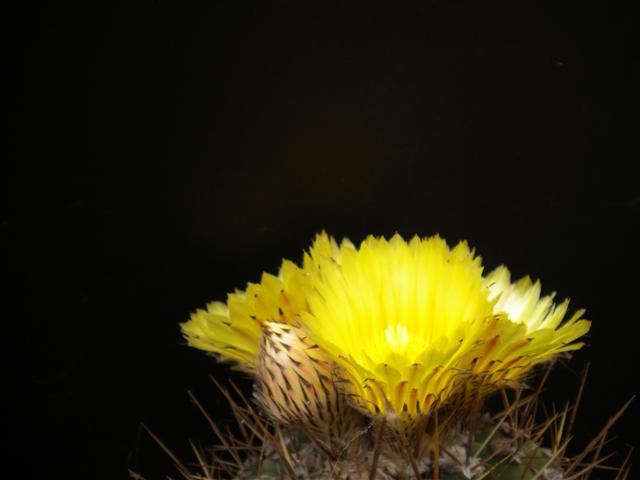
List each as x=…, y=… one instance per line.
x=522, y=303
x=233, y=330
x=414, y=325
x=407, y=326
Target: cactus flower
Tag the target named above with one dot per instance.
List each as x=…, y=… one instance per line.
x=408, y=326
x=414, y=325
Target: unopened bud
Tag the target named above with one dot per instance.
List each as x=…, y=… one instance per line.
x=294, y=378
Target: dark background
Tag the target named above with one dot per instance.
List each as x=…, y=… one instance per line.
x=161, y=157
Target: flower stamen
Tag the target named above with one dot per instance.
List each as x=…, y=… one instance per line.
x=397, y=337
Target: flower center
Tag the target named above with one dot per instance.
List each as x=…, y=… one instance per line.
x=397, y=336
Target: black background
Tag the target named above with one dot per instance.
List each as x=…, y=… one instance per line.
x=163, y=156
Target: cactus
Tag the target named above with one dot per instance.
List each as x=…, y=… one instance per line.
x=508, y=445
x=375, y=362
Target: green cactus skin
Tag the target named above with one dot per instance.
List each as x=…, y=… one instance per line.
x=520, y=460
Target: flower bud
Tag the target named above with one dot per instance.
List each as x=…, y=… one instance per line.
x=294, y=378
